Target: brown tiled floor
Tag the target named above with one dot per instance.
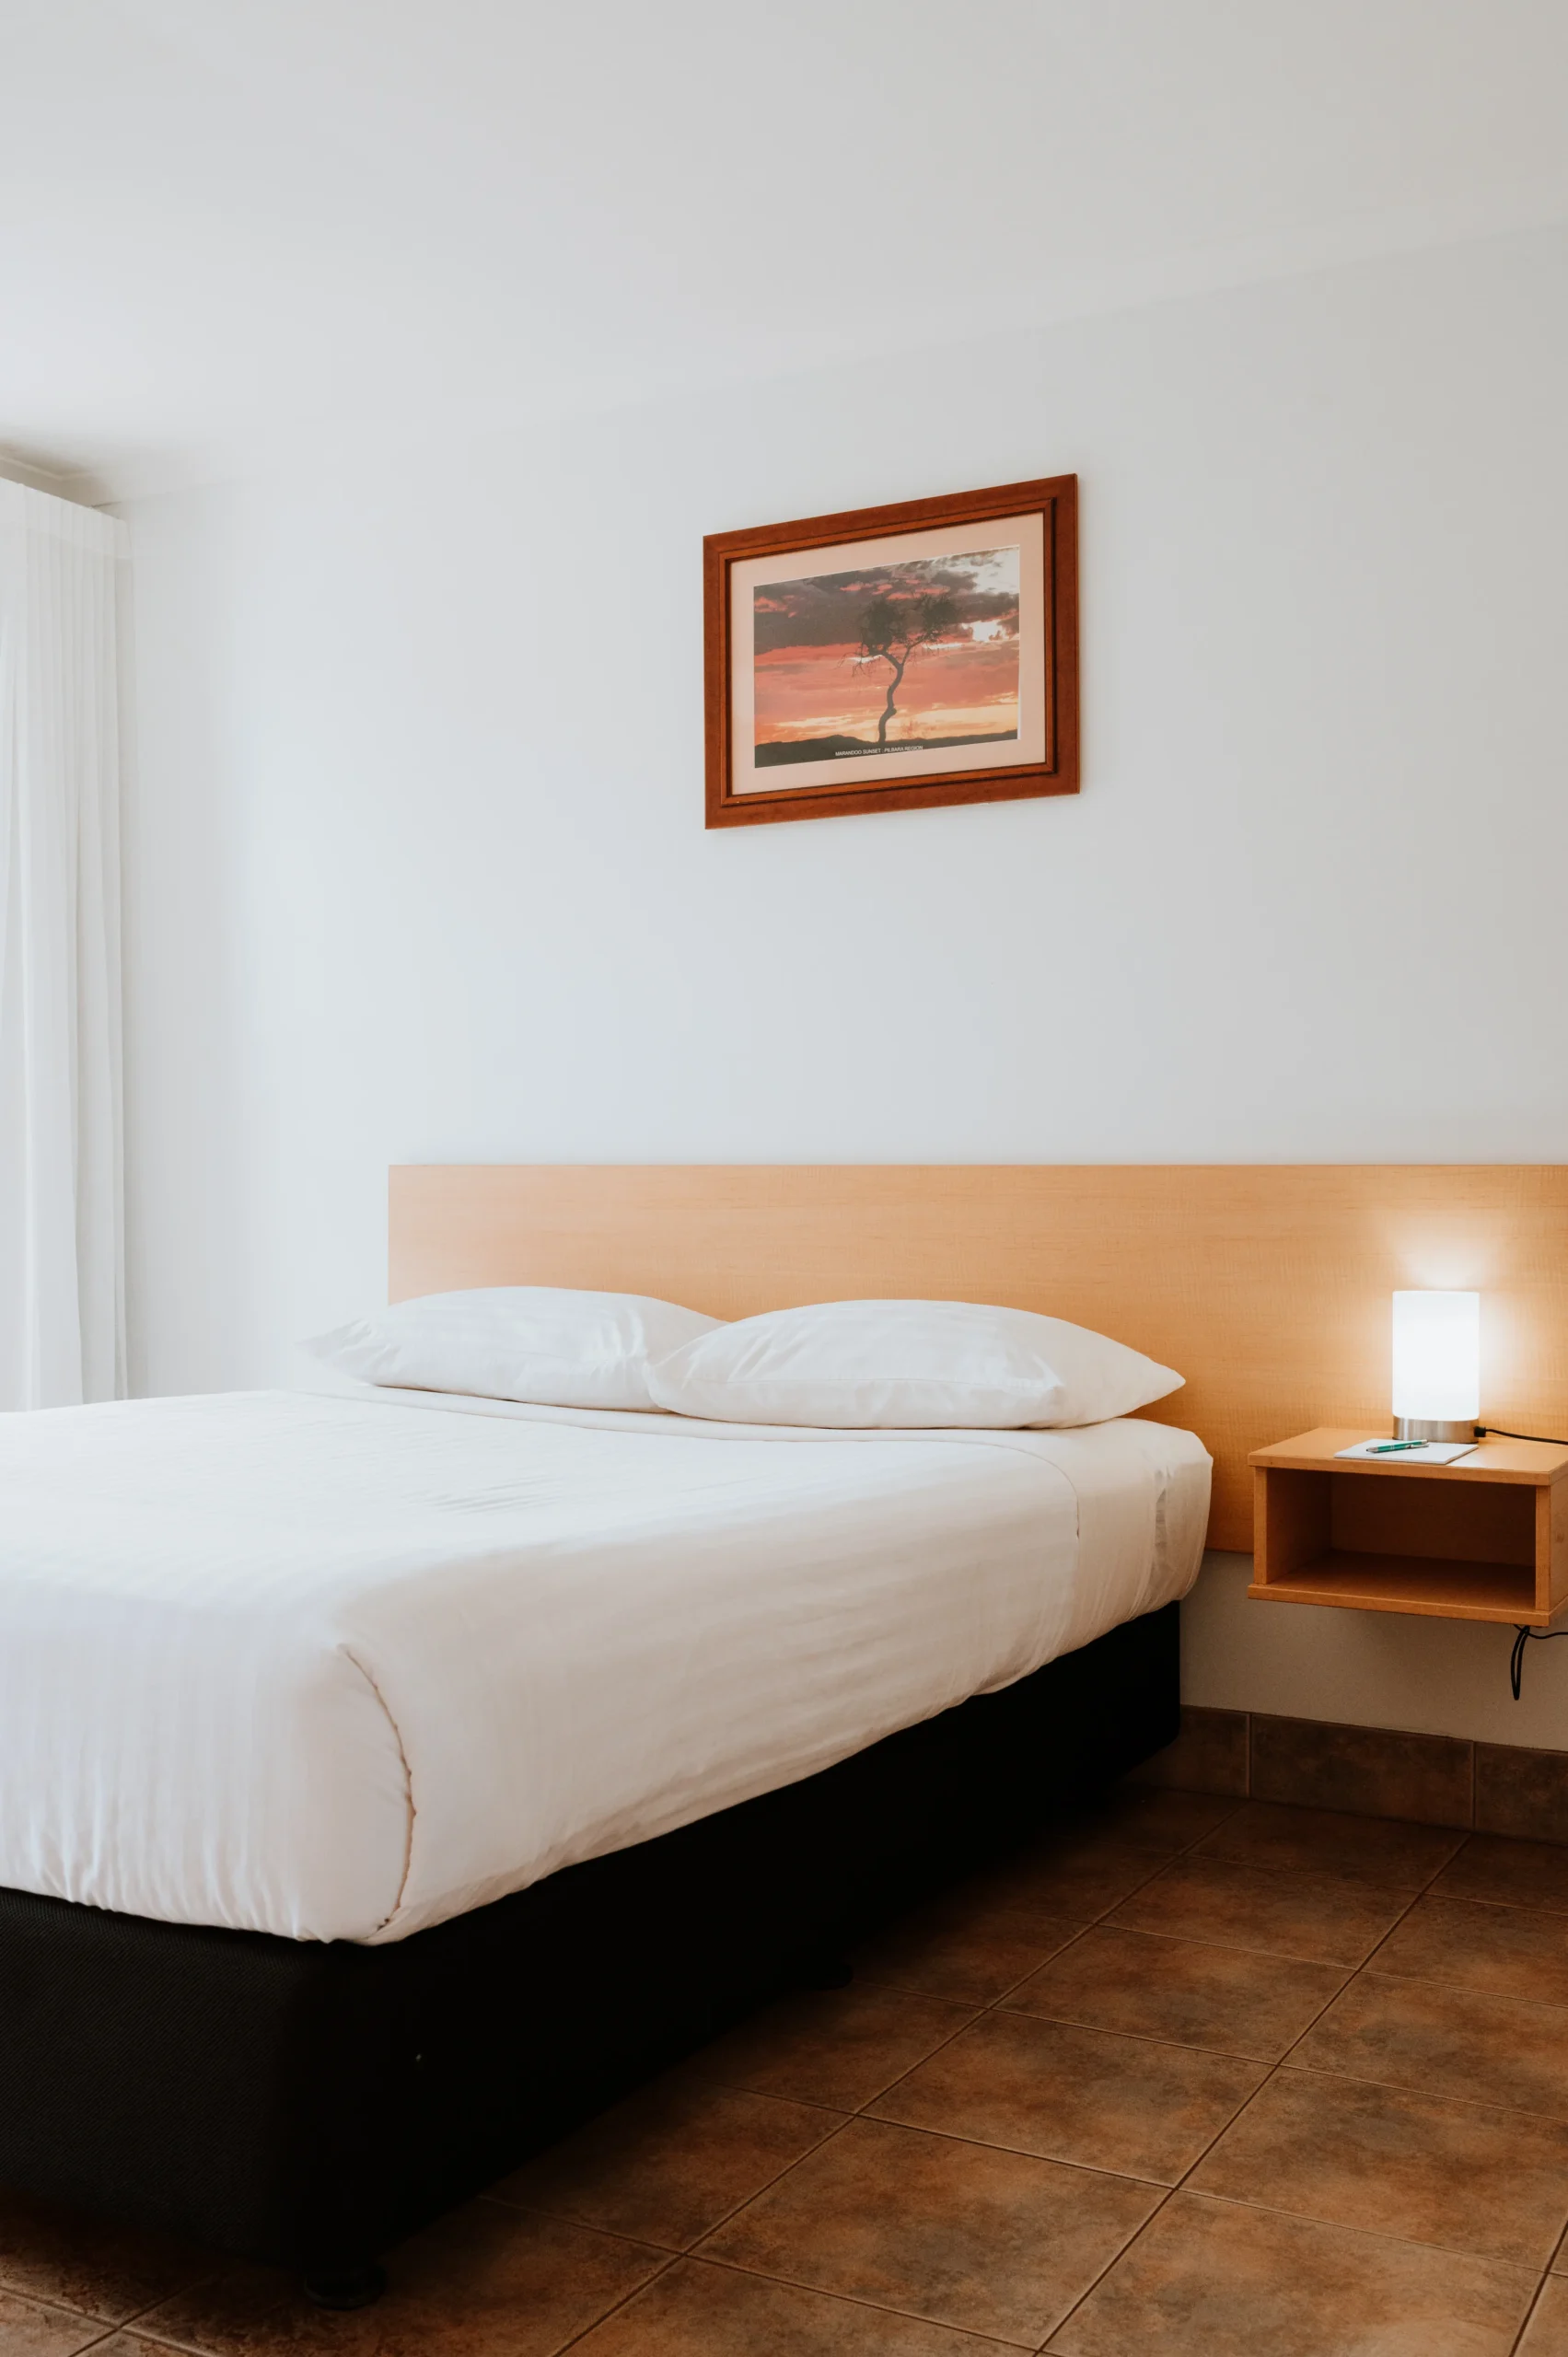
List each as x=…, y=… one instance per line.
x=1197, y=2078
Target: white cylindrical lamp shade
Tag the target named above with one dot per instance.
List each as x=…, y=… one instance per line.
x=1436, y=1365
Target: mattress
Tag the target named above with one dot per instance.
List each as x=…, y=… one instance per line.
x=339, y=1667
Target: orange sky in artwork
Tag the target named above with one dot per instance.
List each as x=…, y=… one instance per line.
x=936, y=633
x=809, y=692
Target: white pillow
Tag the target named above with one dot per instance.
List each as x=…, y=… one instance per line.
x=542, y=1343
x=906, y=1363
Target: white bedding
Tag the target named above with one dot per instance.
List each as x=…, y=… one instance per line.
x=340, y=1667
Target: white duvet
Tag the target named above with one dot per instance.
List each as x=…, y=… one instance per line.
x=338, y=1668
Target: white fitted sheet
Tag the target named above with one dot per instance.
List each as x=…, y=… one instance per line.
x=338, y=1667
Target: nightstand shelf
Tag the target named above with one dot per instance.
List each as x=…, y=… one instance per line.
x=1483, y=1540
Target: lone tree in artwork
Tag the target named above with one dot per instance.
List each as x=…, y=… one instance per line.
x=890, y=630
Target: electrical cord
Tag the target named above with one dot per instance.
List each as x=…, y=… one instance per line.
x=1521, y=1638
x=1495, y=1431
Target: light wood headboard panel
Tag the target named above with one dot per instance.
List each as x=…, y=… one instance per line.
x=1267, y=1286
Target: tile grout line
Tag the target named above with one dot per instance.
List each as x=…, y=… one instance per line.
x=207, y=2275
x=1157, y=1864
x=1466, y=1988
x=1152, y=2038
x=1515, y=1906
x=1402, y=2087
x=106, y=2329
x=1508, y=1906
x=846, y=2120
x=657, y=2276
x=841, y=2121
x=160, y=2341
x=1243, y=2107
x=877, y=2307
x=1283, y=2062
x=651, y=2241
x=1528, y=2319
x=1117, y=2257
x=1371, y=2233
x=1378, y=1945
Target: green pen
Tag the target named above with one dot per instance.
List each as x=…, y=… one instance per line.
x=1388, y=1447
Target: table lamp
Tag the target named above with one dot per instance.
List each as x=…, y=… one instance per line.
x=1436, y=1365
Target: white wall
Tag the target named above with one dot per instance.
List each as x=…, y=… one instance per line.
x=418, y=867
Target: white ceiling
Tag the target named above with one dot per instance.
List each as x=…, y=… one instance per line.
x=231, y=226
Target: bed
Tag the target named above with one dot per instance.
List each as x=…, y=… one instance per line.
x=392, y=1779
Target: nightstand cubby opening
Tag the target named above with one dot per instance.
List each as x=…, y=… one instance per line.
x=1377, y=1539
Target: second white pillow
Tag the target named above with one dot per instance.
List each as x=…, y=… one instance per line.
x=906, y=1364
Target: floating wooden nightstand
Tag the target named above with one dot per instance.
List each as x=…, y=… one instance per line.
x=1484, y=1539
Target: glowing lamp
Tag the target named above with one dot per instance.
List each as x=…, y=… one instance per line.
x=1436, y=1365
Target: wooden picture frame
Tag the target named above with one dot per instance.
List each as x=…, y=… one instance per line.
x=956, y=614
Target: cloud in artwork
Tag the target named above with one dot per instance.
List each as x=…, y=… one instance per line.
x=824, y=609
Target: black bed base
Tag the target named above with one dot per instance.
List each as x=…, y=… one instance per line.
x=313, y=2104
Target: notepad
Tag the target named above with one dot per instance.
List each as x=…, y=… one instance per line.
x=1429, y=1452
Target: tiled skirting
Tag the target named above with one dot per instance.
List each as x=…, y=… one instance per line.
x=1371, y=1771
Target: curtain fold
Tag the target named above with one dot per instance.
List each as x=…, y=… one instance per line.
x=62, y=1283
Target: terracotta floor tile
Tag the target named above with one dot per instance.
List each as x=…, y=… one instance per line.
x=1122, y=2104
x=1073, y=1877
x=839, y=2048
x=1517, y=1873
x=1148, y=1818
x=1468, y=2176
x=26, y=2331
x=1508, y=1951
x=961, y=1949
x=80, y=2261
x=1548, y=2332
x=487, y=2282
x=671, y=2162
x=1228, y=2000
x=1445, y=2041
x=1209, y=2279
x=701, y=2311
x=960, y=2233
x=1375, y=1850
x=1257, y=1906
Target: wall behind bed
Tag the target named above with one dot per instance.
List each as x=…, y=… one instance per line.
x=417, y=871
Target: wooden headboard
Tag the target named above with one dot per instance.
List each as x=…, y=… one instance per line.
x=1267, y=1284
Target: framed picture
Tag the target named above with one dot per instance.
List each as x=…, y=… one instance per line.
x=894, y=657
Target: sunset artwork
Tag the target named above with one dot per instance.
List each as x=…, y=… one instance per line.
x=891, y=658
x=886, y=659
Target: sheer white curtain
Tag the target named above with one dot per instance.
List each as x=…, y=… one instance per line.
x=61, y=1289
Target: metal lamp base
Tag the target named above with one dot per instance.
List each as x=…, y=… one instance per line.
x=1424, y=1428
